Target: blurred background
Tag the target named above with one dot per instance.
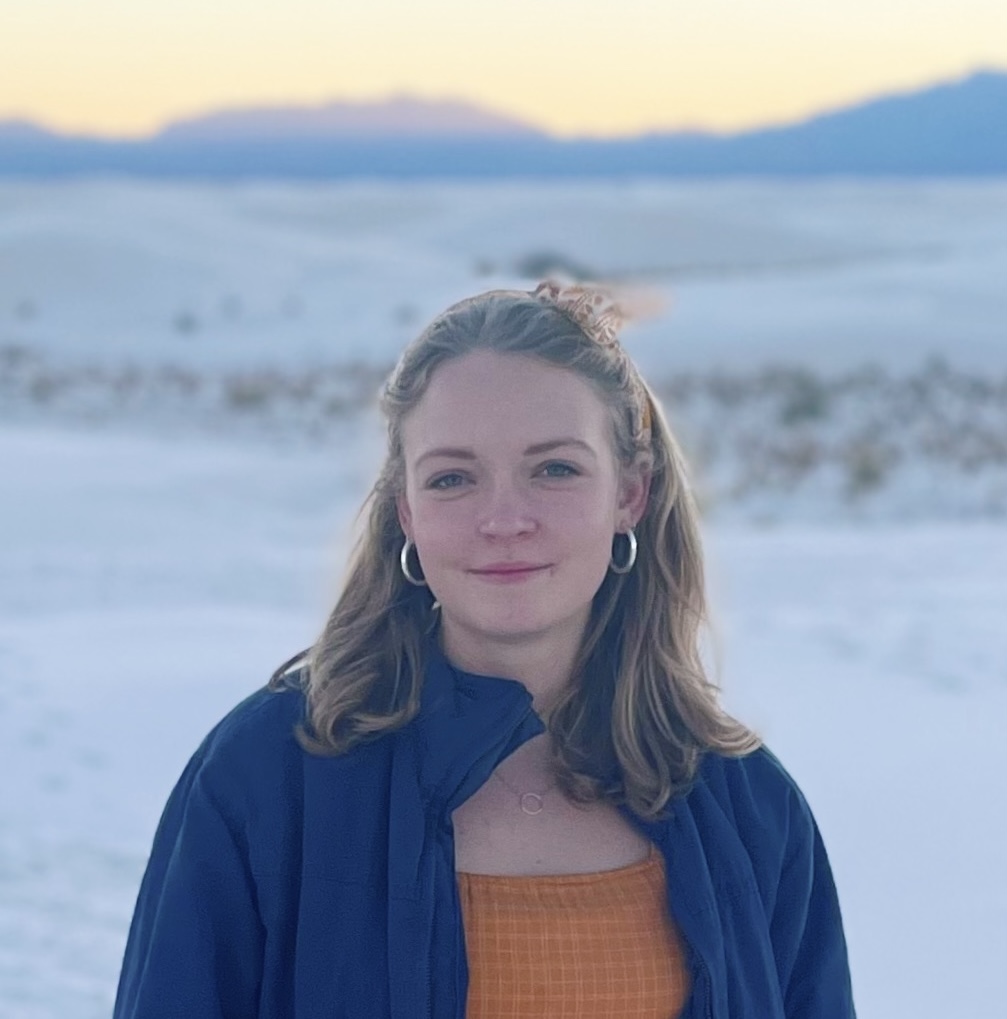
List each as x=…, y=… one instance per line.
x=218, y=228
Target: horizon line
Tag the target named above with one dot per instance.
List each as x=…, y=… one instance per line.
x=519, y=121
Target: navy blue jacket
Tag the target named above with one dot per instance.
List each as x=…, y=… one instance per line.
x=283, y=884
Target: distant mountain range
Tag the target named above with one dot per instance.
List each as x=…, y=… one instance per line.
x=399, y=117
x=955, y=128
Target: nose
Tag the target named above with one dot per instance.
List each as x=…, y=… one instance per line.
x=506, y=514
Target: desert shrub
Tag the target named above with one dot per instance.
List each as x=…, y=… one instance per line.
x=804, y=398
x=185, y=322
x=249, y=392
x=728, y=390
x=541, y=264
x=867, y=464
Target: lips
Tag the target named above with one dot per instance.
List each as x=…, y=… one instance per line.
x=511, y=567
x=509, y=571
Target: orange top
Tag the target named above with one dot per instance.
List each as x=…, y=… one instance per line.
x=573, y=945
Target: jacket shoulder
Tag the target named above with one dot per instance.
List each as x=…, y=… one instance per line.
x=753, y=817
x=265, y=720
x=756, y=788
x=253, y=750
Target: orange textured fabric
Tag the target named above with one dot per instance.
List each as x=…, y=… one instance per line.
x=590, y=946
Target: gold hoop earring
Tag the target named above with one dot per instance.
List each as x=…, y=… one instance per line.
x=404, y=563
x=630, y=559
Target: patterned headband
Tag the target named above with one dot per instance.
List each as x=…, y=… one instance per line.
x=600, y=316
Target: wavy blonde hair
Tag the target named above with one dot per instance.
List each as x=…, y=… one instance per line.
x=640, y=709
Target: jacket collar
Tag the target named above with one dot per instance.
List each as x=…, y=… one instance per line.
x=466, y=725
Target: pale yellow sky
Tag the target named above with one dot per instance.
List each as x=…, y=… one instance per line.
x=573, y=67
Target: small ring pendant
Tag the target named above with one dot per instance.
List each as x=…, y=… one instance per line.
x=531, y=803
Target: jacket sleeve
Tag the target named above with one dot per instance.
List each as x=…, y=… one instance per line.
x=196, y=941
x=806, y=926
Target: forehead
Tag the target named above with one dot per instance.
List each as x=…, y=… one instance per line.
x=491, y=399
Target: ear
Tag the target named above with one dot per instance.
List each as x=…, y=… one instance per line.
x=405, y=515
x=634, y=491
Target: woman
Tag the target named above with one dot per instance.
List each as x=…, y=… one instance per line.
x=500, y=783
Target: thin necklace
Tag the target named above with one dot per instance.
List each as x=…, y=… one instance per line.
x=531, y=803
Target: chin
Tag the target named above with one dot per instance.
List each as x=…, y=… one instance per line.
x=513, y=626
x=495, y=627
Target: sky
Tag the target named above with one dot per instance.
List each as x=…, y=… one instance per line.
x=575, y=68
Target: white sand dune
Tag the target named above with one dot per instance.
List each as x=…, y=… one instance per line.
x=828, y=273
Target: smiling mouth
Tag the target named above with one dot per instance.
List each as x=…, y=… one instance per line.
x=509, y=571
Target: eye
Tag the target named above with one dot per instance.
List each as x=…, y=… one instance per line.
x=445, y=481
x=558, y=469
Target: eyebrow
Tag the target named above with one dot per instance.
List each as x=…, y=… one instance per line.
x=458, y=453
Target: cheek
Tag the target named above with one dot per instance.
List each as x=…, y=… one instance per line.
x=440, y=526
x=588, y=519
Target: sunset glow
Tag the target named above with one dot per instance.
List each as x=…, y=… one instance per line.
x=590, y=67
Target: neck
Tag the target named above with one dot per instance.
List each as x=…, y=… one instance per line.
x=542, y=663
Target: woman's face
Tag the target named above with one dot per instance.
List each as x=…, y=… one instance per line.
x=513, y=494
